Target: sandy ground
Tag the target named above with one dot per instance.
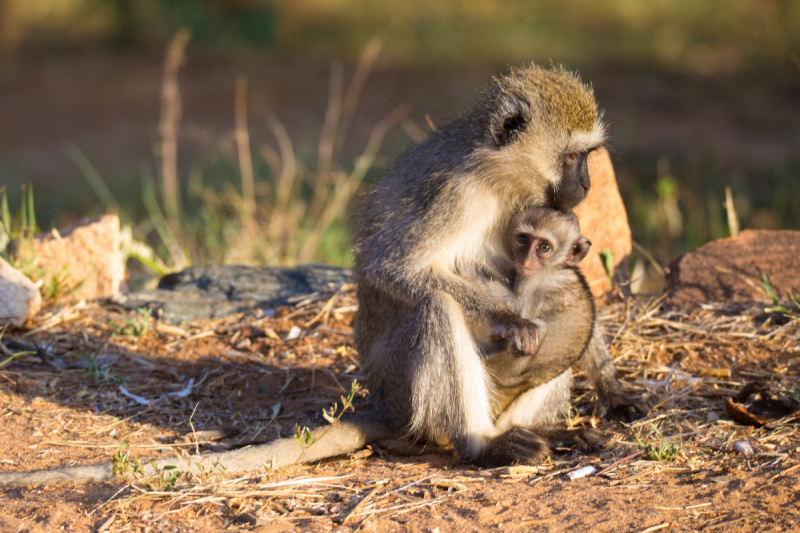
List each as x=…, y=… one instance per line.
x=254, y=384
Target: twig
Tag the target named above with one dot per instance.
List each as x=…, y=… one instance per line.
x=362, y=503
x=615, y=463
x=245, y=162
x=169, y=126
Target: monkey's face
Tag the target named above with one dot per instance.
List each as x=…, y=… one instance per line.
x=542, y=124
x=542, y=238
x=536, y=250
x=533, y=251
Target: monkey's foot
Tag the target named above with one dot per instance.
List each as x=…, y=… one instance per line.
x=517, y=445
x=586, y=440
x=619, y=407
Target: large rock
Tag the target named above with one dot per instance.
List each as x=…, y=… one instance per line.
x=604, y=221
x=19, y=297
x=216, y=291
x=730, y=269
x=84, y=256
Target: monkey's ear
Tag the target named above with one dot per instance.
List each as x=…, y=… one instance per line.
x=579, y=251
x=512, y=118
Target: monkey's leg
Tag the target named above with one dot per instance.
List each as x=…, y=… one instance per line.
x=348, y=435
x=611, y=400
x=448, y=387
x=541, y=407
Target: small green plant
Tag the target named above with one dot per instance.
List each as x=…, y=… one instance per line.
x=303, y=435
x=776, y=302
x=607, y=257
x=133, y=327
x=654, y=445
x=132, y=469
x=100, y=374
x=14, y=355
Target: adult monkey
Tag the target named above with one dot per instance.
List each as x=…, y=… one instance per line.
x=437, y=218
x=434, y=223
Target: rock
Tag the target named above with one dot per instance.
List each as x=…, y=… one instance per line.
x=216, y=291
x=85, y=257
x=19, y=297
x=604, y=221
x=730, y=269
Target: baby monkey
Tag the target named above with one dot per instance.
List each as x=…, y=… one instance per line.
x=546, y=287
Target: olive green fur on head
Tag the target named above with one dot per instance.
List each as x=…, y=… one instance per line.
x=563, y=97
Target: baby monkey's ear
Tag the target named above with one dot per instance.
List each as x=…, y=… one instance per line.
x=579, y=251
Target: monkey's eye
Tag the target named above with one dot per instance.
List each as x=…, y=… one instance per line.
x=544, y=247
x=571, y=158
x=522, y=239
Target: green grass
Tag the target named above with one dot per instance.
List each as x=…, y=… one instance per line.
x=131, y=469
x=654, y=445
x=777, y=305
x=135, y=326
x=100, y=374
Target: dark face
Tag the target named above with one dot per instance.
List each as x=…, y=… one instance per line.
x=574, y=184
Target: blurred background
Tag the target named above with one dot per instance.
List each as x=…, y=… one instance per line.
x=245, y=130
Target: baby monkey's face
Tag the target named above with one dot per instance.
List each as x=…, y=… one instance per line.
x=535, y=248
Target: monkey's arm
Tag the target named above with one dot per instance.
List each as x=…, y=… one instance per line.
x=344, y=437
x=611, y=400
x=487, y=315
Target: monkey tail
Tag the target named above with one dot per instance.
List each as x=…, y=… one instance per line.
x=347, y=435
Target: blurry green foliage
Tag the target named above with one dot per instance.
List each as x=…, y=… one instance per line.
x=703, y=36
x=770, y=200
x=671, y=210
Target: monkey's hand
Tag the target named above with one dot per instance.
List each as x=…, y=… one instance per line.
x=585, y=439
x=619, y=406
x=522, y=334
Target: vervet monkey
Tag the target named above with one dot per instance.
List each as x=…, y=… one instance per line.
x=423, y=235
x=433, y=225
x=546, y=287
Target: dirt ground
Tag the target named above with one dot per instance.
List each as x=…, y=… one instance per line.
x=243, y=376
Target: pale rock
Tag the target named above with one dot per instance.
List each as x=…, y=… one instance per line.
x=604, y=221
x=19, y=297
x=85, y=256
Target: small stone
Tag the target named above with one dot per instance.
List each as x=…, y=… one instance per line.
x=85, y=257
x=730, y=269
x=743, y=447
x=19, y=297
x=581, y=472
x=294, y=333
x=604, y=221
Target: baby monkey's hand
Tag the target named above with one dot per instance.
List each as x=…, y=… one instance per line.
x=522, y=334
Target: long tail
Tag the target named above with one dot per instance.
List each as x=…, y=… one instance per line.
x=347, y=435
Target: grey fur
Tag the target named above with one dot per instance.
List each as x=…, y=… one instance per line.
x=557, y=297
x=434, y=224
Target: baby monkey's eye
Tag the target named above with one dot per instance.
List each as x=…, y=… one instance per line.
x=544, y=247
x=522, y=239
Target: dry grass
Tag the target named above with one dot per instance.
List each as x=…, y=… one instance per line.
x=683, y=364
x=282, y=217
